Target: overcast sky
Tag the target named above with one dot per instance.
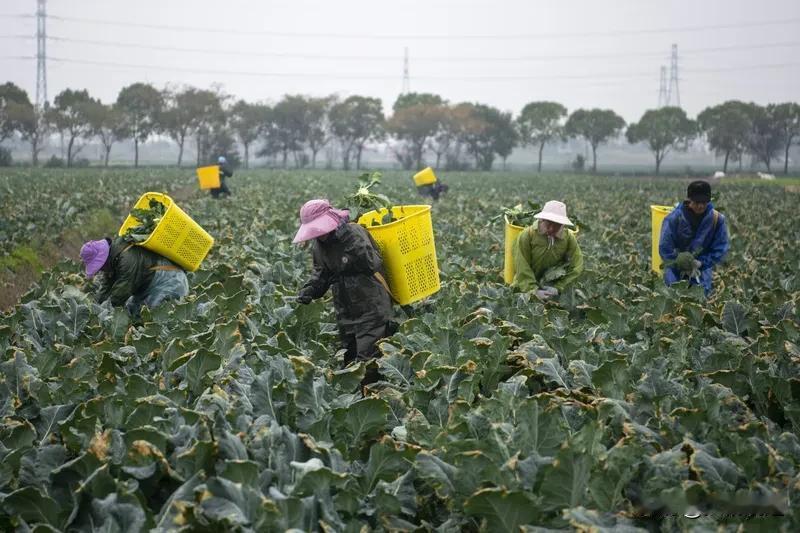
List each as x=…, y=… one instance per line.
x=504, y=53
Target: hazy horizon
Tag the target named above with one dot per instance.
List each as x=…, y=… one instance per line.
x=502, y=53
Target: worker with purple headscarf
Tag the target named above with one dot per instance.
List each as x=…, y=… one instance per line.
x=347, y=260
x=132, y=275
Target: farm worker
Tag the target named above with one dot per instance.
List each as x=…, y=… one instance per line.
x=545, y=246
x=434, y=190
x=132, y=275
x=347, y=260
x=224, y=172
x=694, y=238
x=428, y=185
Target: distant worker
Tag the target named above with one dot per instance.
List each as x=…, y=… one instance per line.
x=433, y=190
x=694, y=238
x=546, y=246
x=132, y=275
x=347, y=260
x=428, y=185
x=224, y=172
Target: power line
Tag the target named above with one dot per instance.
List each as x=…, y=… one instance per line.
x=391, y=77
x=736, y=69
x=388, y=76
x=332, y=75
x=449, y=59
x=381, y=36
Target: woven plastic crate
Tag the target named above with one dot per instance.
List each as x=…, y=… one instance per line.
x=408, y=251
x=208, y=177
x=511, y=234
x=657, y=215
x=176, y=237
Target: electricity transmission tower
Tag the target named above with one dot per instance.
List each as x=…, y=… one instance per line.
x=662, y=88
x=41, y=53
x=674, y=93
x=406, y=76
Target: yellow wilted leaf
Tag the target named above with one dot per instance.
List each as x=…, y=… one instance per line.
x=100, y=444
x=302, y=365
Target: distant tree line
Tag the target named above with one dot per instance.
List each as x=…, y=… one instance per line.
x=422, y=129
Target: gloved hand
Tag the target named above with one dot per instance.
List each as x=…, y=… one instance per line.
x=552, y=291
x=542, y=294
x=695, y=274
x=304, y=299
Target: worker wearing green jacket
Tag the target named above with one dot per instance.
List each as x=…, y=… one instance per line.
x=132, y=275
x=545, y=246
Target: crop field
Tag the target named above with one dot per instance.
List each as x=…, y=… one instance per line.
x=613, y=408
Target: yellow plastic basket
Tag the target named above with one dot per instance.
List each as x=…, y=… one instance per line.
x=208, y=177
x=657, y=215
x=424, y=177
x=176, y=237
x=512, y=232
x=408, y=251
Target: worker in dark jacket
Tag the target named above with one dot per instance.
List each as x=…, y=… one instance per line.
x=347, y=260
x=132, y=275
x=694, y=238
x=224, y=172
x=428, y=185
x=434, y=190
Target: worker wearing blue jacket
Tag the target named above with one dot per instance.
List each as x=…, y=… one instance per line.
x=694, y=238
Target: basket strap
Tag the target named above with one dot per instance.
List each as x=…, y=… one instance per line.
x=382, y=281
x=115, y=259
x=165, y=267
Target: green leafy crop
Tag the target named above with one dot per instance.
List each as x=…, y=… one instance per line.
x=614, y=407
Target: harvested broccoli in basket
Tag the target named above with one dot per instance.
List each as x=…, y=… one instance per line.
x=365, y=200
x=519, y=215
x=148, y=220
x=522, y=216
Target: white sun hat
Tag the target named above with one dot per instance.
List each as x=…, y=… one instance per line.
x=554, y=211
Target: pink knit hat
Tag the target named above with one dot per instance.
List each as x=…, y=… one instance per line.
x=94, y=255
x=317, y=218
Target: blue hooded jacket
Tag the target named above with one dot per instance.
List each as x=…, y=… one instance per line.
x=677, y=236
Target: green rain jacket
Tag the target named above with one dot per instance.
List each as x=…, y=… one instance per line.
x=534, y=254
x=128, y=272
